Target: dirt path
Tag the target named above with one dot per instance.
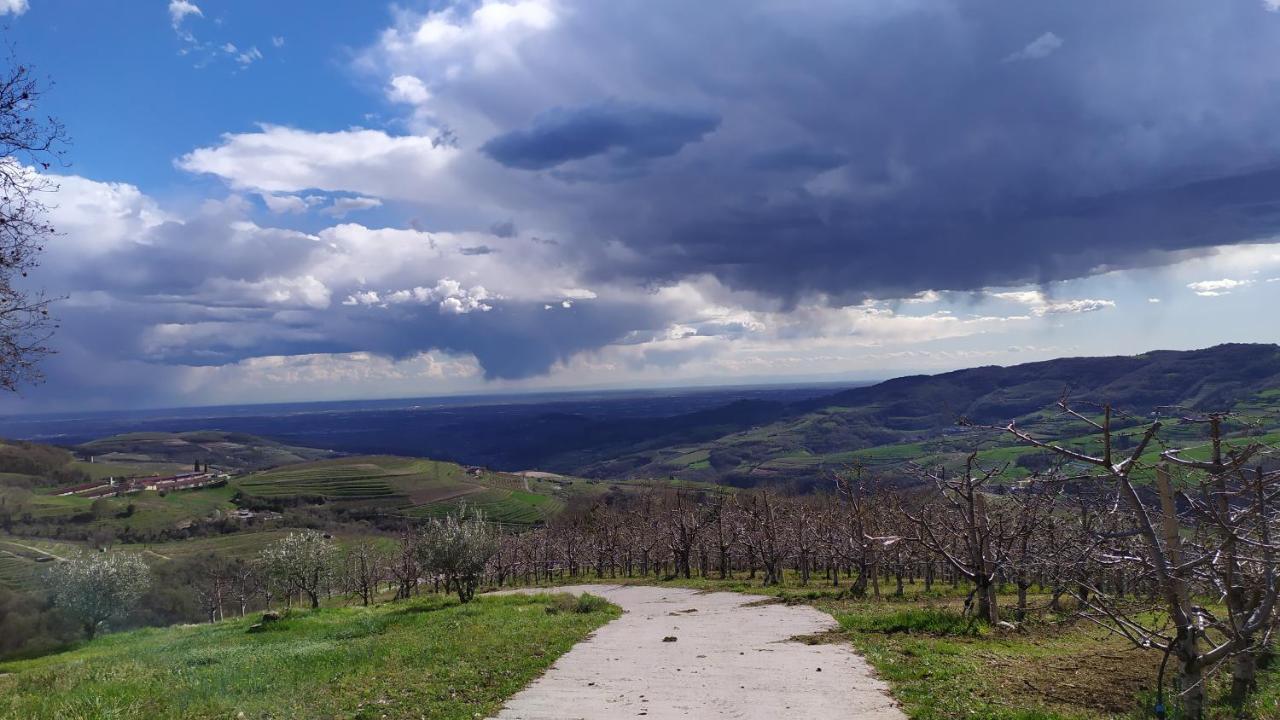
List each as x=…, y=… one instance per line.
x=732, y=657
x=46, y=553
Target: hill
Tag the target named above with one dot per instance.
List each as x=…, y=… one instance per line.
x=916, y=417
x=228, y=450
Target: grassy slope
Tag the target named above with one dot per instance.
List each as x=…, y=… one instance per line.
x=151, y=510
x=425, y=658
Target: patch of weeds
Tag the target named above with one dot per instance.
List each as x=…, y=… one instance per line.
x=932, y=621
x=583, y=604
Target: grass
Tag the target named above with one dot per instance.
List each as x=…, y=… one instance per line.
x=424, y=658
x=508, y=507
x=152, y=511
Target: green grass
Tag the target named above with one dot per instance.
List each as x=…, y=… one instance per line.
x=428, y=658
x=509, y=507
x=151, y=510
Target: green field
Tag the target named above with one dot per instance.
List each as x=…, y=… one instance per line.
x=150, y=510
x=409, y=486
x=423, y=658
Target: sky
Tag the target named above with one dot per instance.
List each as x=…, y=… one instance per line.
x=293, y=201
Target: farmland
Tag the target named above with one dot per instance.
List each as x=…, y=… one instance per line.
x=405, y=486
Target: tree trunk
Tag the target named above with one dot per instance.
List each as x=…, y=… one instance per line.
x=1190, y=677
x=1244, y=677
x=987, y=605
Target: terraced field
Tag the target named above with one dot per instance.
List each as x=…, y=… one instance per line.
x=18, y=566
x=414, y=487
x=17, y=572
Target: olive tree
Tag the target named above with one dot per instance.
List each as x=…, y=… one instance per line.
x=301, y=563
x=95, y=587
x=457, y=549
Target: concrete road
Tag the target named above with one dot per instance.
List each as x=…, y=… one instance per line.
x=732, y=657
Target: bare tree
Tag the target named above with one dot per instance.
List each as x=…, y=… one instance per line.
x=364, y=567
x=961, y=511
x=404, y=567
x=29, y=145
x=1223, y=545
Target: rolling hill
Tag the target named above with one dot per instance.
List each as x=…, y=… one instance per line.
x=916, y=417
x=231, y=450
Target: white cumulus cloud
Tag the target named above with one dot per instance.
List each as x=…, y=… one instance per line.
x=178, y=10
x=1214, y=288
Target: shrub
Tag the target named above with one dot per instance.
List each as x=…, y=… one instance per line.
x=583, y=604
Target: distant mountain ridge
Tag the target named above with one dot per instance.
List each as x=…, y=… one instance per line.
x=920, y=407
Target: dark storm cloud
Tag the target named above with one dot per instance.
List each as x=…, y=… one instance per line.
x=881, y=149
x=633, y=132
x=514, y=341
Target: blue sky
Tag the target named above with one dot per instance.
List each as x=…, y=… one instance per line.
x=291, y=201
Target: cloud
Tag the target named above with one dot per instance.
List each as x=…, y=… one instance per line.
x=1041, y=305
x=993, y=176
x=484, y=39
x=632, y=132
x=248, y=57
x=179, y=10
x=448, y=295
x=1041, y=47
x=344, y=206
x=277, y=41
x=279, y=159
x=13, y=7
x=279, y=204
x=407, y=89
x=1215, y=288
